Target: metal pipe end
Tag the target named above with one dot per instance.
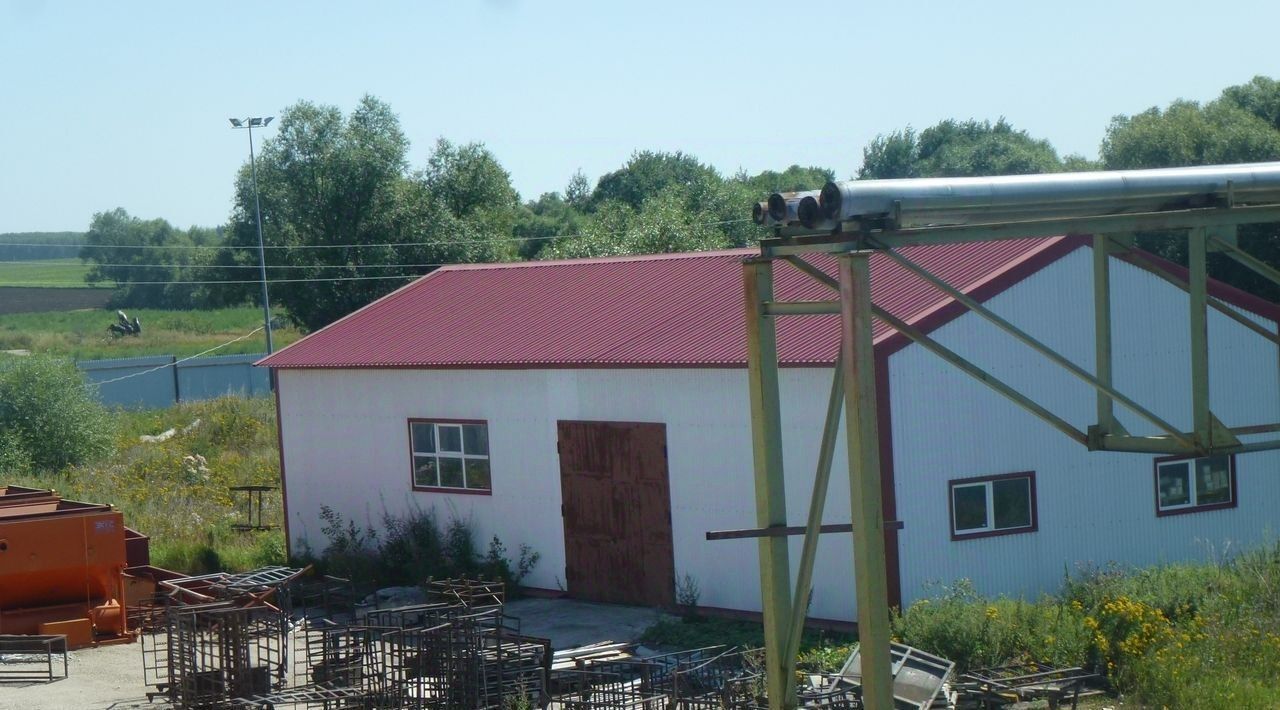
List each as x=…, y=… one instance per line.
x=760, y=212
x=809, y=212
x=778, y=207
x=830, y=199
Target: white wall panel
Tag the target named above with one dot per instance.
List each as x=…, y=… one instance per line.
x=346, y=446
x=1093, y=507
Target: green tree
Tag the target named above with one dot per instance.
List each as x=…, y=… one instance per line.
x=1260, y=97
x=145, y=257
x=793, y=179
x=646, y=174
x=540, y=221
x=958, y=149
x=1238, y=127
x=49, y=419
x=338, y=190
x=470, y=182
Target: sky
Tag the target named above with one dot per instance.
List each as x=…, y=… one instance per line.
x=125, y=104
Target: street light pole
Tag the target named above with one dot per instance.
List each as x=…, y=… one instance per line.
x=249, y=123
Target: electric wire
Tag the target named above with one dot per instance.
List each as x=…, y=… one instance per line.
x=254, y=247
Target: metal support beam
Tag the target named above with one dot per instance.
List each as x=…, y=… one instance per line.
x=866, y=506
x=777, y=531
x=813, y=526
x=1198, y=282
x=842, y=242
x=1106, y=417
x=1250, y=261
x=1103, y=388
x=801, y=308
x=981, y=375
x=1169, y=446
x=771, y=501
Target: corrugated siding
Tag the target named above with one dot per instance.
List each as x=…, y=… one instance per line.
x=663, y=311
x=346, y=446
x=1093, y=507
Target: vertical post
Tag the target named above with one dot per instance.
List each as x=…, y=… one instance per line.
x=262, y=250
x=1102, y=331
x=865, y=503
x=817, y=504
x=771, y=502
x=1197, y=288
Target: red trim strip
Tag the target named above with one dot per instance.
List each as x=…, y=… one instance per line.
x=888, y=483
x=988, y=288
x=284, y=486
x=1219, y=290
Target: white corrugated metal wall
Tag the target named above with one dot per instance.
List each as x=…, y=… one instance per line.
x=346, y=446
x=1093, y=507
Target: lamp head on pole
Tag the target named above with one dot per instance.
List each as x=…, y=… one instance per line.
x=256, y=122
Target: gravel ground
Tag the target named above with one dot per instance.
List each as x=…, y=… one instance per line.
x=97, y=678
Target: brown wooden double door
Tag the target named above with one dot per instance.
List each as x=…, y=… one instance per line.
x=616, y=503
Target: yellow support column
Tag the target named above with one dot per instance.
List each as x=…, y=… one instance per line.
x=870, y=569
x=771, y=500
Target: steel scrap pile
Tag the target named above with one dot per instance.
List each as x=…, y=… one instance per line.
x=277, y=638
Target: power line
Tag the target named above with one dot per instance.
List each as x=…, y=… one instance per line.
x=434, y=242
x=258, y=281
x=222, y=266
x=176, y=362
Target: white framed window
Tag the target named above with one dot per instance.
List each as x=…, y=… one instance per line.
x=1189, y=485
x=450, y=455
x=992, y=505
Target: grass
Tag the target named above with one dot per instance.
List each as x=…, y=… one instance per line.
x=819, y=650
x=48, y=273
x=82, y=335
x=182, y=504
x=1204, y=635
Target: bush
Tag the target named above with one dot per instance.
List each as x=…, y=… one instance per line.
x=1178, y=636
x=974, y=632
x=414, y=548
x=50, y=417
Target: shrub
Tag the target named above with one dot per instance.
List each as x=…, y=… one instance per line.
x=975, y=632
x=413, y=548
x=497, y=566
x=50, y=416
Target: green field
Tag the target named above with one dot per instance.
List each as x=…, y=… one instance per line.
x=83, y=335
x=48, y=273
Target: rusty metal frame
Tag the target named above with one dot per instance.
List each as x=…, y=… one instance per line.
x=853, y=388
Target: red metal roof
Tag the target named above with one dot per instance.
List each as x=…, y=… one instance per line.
x=669, y=310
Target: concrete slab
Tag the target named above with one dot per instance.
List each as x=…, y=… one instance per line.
x=569, y=622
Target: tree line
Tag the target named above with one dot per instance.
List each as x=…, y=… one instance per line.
x=343, y=188
x=33, y=246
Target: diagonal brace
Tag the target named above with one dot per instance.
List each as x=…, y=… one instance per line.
x=1031, y=342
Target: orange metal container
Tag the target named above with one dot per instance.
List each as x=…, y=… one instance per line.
x=16, y=495
x=61, y=560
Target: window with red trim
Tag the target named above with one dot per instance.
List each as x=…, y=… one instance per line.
x=992, y=505
x=450, y=455
x=1188, y=485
